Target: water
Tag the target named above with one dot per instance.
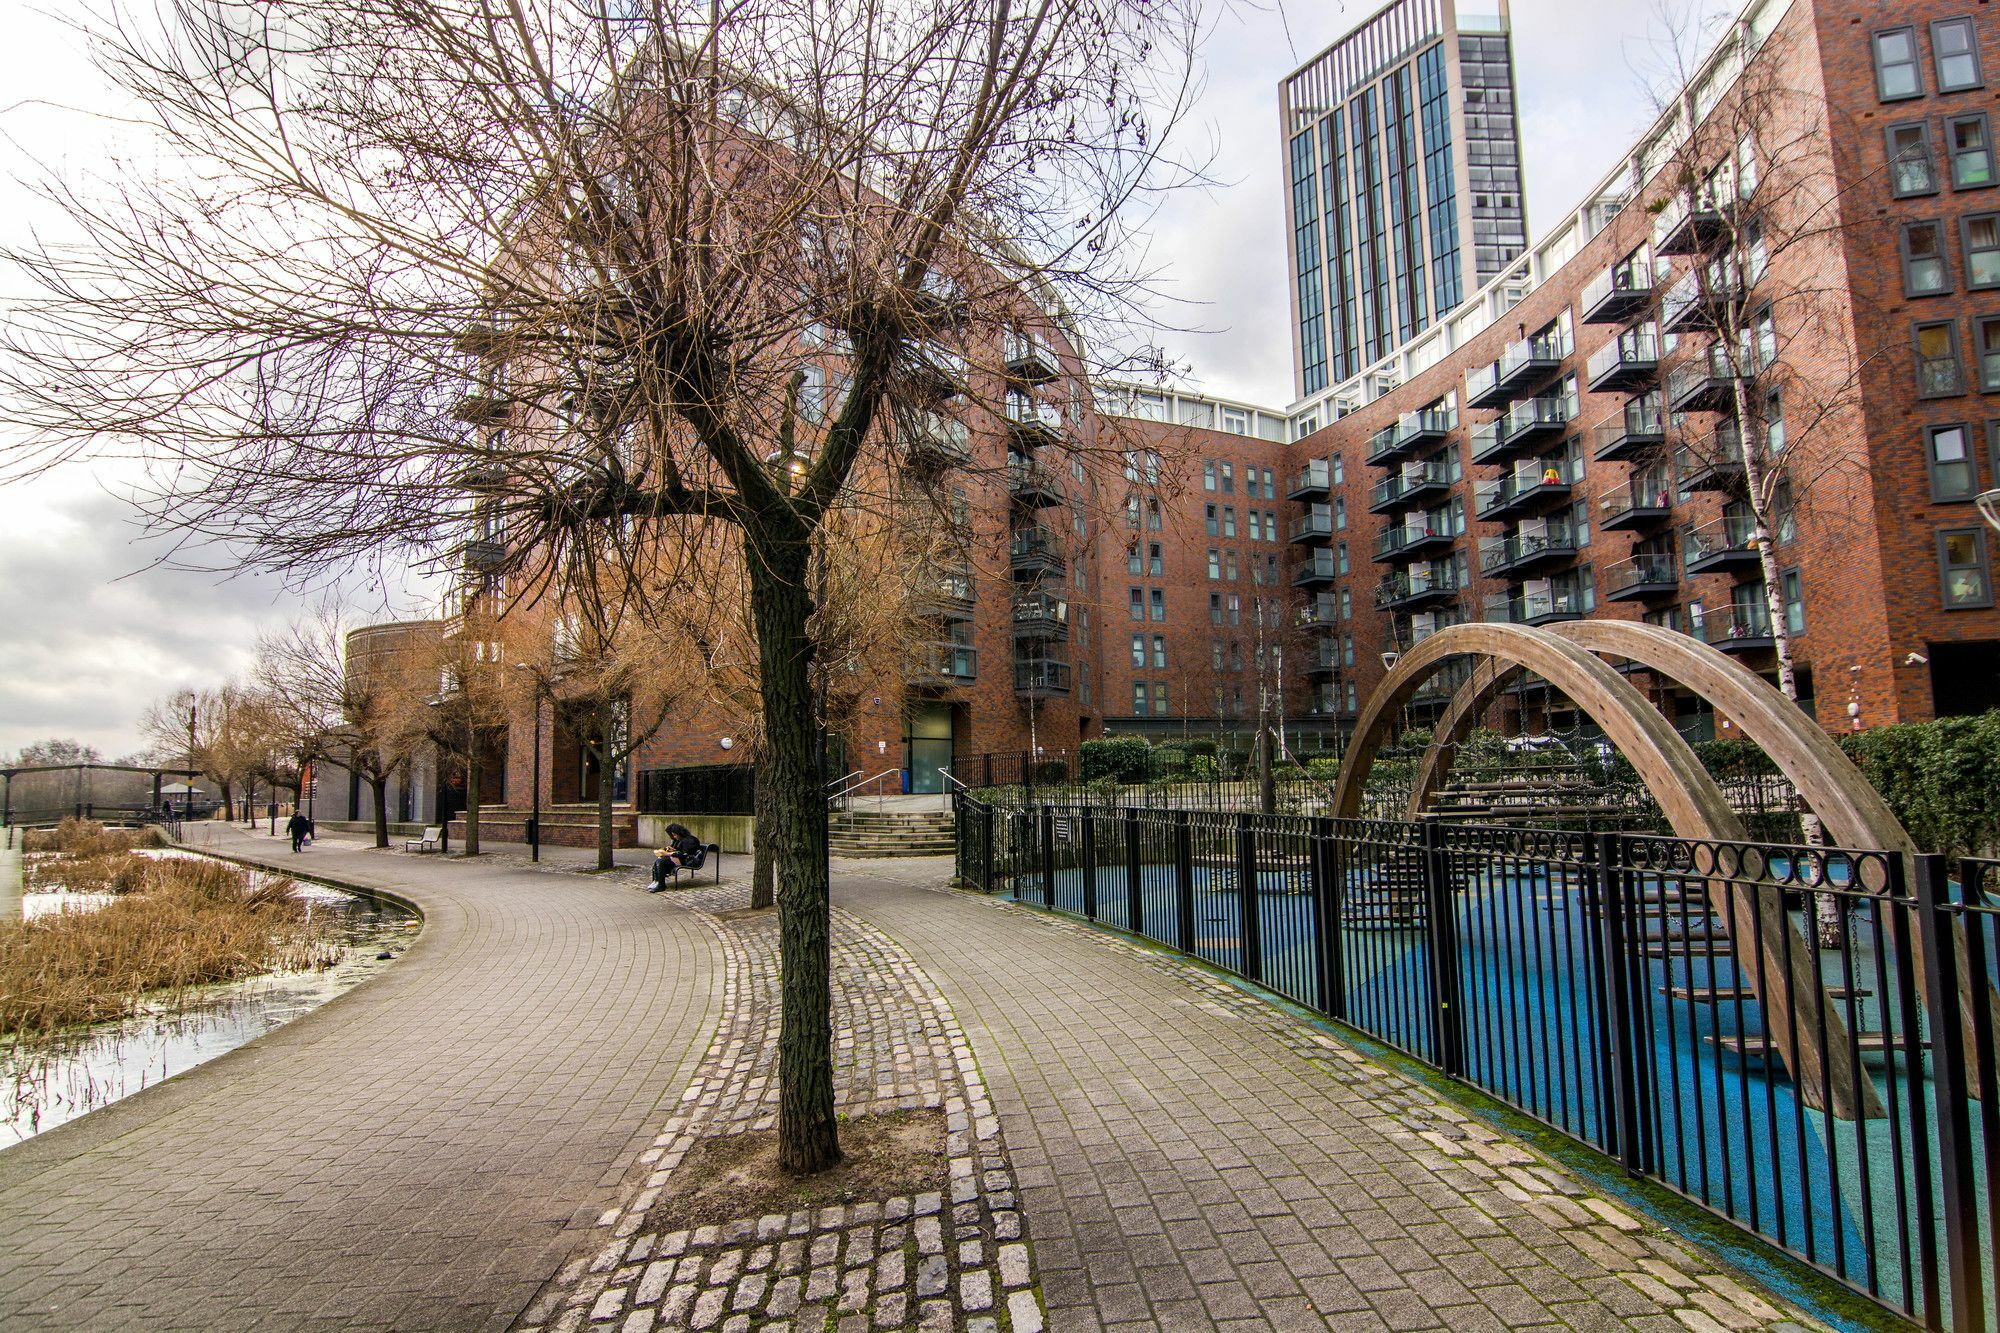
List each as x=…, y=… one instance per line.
x=114, y=1060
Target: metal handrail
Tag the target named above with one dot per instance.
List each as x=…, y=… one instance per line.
x=846, y=793
x=845, y=777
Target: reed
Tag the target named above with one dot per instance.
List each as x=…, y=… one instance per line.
x=87, y=837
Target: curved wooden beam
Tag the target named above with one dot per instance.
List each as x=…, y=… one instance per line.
x=1693, y=803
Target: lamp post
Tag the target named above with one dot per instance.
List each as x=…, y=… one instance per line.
x=535, y=776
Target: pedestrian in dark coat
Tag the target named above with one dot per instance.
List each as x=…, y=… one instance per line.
x=300, y=828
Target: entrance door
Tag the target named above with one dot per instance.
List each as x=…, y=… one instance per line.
x=927, y=747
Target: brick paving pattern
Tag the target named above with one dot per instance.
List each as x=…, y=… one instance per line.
x=423, y=1152
x=1193, y=1157
x=955, y=1258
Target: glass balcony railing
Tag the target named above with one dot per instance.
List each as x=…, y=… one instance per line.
x=1416, y=481
x=1522, y=550
x=1629, y=359
x=1738, y=627
x=1029, y=357
x=1647, y=574
x=1039, y=678
x=1033, y=420
x=1620, y=291
x=1538, y=416
x=1316, y=478
x=1315, y=525
x=1727, y=542
x=1416, y=586
x=949, y=663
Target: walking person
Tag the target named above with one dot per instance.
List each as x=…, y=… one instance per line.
x=300, y=828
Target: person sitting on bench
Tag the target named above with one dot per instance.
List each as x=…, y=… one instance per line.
x=686, y=853
x=663, y=870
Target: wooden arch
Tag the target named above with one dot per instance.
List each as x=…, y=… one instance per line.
x=1692, y=802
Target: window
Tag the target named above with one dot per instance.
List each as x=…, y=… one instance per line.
x=1971, y=152
x=1938, y=372
x=1340, y=558
x=1132, y=512
x=1158, y=600
x=1235, y=655
x=1339, y=470
x=1138, y=650
x=1215, y=653
x=1980, y=234
x=1160, y=655
x=1948, y=451
x=1347, y=650
x=1208, y=516
x=1228, y=478
x=1228, y=516
x=1774, y=422
x=1134, y=565
x=1339, y=513
x=1924, y=271
x=1235, y=609
x=1215, y=608
x=1229, y=565
x=1152, y=515
x=1346, y=604
x=1962, y=572
x=1993, y=446
x=1159, y=698
x=1270, y=486
x=1987, y=329
x=1214, y=563
x=1138, y=698
x=1138, y=604
x=1207, y=476
x=1794, y=599
x=1912, y=170
x=1896, y=72
x=1154, y=562
x=1764, y=338
x=1784, y=512
x=1955, y=55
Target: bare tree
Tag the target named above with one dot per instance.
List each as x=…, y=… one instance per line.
x=657, y=242
x=198, y=727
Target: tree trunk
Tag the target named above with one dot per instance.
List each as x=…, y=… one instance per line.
x=794, y=828
x=604, y=767
x=380, y=786
x=763, y=879
x=472, y=797
x=228, y=801
x=1267, y=789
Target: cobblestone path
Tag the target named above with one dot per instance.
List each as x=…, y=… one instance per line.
x=423, y=1152
x=954, y=1258
x=1191, y=1157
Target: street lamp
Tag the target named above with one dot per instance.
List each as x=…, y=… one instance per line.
x=535, y=777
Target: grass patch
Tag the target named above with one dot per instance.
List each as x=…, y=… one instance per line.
x=87, y=837
x=736, y=1176
x=182, y=923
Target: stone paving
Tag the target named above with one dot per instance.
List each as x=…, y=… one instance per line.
x=1193, y=1157
x=955, y=1258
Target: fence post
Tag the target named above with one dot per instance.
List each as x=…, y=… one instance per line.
x=1135, y=907
x=1087, y=853
x=1249, y=922
x=986, y=848
x=1441, y=938
x=1183, y=882
x=1322, y=865
x=1618, y=1038
x=1938, y=941
x=1048, y=857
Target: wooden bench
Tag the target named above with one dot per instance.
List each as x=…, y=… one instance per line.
x=432, y=841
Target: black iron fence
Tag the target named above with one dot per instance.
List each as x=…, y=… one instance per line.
x=699, y=789
x=1800, y=1039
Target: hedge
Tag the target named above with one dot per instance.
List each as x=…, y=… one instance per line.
x=1941, y=779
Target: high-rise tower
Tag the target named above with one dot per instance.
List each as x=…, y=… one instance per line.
x=1403, y=180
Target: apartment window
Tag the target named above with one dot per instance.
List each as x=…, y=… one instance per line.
x=1270, y=484
x=1955, y=55
x=1155, y=563
x=1948, y=451
x=1228, y=478
x=1138, y=698
x=1209, y=517
x=1256, y=518
x=1962, y=572
x=1215, y=653
x=1160, y=653
x=1346, y=604
x=1339, y=513
x=1208, y=476
x=1132, y=512
x=1939, y=374
x=1896, y=73
x=1159, y=698
x=1764, y=337
x=1214, y=563
x=1353, y=699
x=1793, y=597
x=1993, y=447
x=1152, y=515
x=1138, y=650
x=1924, y=270
x=1347, y=650
x=1235, y=655
x=1138, y=604
x=1340, y=557
x=1971, y=152
x=1229, y=565
x=1912, y=170
x=1774, y=422
x=1235, y=609
x=1784, y=512
x=1215, y=608
x=1158, y=600
x=1987, y=331
x=1135, y=565
x=1339, y=470
x=1271, y=570
x=1228, y=518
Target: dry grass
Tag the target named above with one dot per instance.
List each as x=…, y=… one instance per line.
x=87, y=837
x=114, y=872
x=187, y=923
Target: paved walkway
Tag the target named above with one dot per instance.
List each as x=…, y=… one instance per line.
x=423, y=1152
x=1190, y=1157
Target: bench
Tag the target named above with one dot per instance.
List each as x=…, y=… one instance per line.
x=710, y=852
x=432, y=841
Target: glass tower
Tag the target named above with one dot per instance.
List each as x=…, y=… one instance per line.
x=1403, y=180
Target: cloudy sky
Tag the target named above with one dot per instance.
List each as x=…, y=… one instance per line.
x=91, y=629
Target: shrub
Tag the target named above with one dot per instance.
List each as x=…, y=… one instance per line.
x=1203, y=768
x=1123, y=758
x=1168, y=761
x=1941, y=779
x=1323, y=769
x=1199, y=747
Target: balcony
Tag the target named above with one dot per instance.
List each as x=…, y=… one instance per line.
x=1488, y=444
x=1425, y=585
x=484, y=555
x=1737, y=628
x=1410, y=433
x=1040, y=678
x=1321, y=612
x=1322, y=659
x=1620, y=292
x=1482, y=387
x=1316, y=568
x=950, y=598
x=945, y=665
x=932, y=441
x=1041, y=616
x=1706, y=384
x=1315, y=525
x=1034, y=553
x=1523, y=489
x=1032, y=423
x=1633, y=433
x=1031, y=485
x=1404, y=540
x=1316, y=478
x=1534, y=606
x=1537, y=419
x=1704, y=299
x=1643, y=501
x=1690, y=224
x=1531, y=360
x=1717, y=465
x=1029, y=358
x=1629, y=361
x=483, y=410
x=1525, y=552
x=1728, y=543
x=1644, y=576
x=1416, y=483
x=938, y=371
